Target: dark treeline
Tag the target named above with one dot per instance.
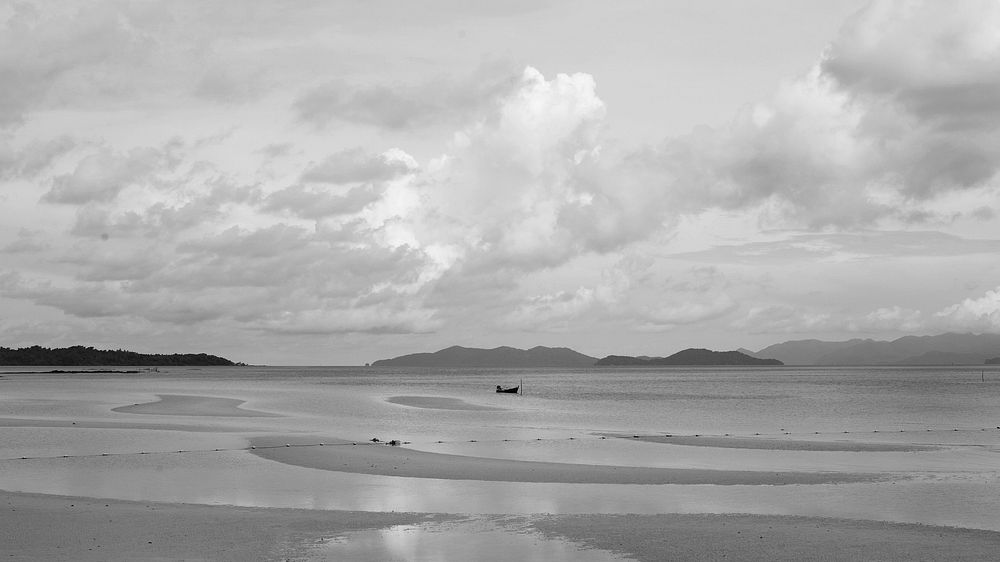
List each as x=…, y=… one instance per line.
x=79, y=355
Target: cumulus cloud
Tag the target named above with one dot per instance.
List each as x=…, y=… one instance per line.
x=103, y=300
x=926, y=55
x=553, y=310
x=387, y=230
x=901, y=109
x=47, y=59
x=979, y=314
x=698, y=295
x=356, y=165
x=343, y=184
x=508, y=182
x=786, y=319
x=27, y=241
x=117, y=55
x=632, y=294
x=113, y=262
x=311, y=203
x=373, y=320
x=859, y=245
x=102, y=175
x=506, y=221
x=380, y=105
x=402, y=106
x=671, y=316
x=29, y=161
x=892, y=319
x=170, y=205
x=280, y=279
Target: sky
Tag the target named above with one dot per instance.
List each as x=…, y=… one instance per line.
x=331, y=183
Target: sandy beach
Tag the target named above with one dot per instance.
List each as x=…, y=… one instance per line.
x=55, y=510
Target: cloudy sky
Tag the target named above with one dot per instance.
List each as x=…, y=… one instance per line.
x=338, y=182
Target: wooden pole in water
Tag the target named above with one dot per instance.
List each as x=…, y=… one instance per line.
x=521, y=387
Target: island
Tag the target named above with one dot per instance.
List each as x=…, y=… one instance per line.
x=500, y=357
x=79, y=355
x=689, y=357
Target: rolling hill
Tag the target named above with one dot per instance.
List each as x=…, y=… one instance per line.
x=499, y=357
x=944, y=349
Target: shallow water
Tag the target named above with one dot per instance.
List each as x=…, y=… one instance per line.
x=497, y=540
x=558, y=419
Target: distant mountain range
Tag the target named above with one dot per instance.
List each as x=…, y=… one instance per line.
x=500, y=357
x=509, y=357
x=79, y=355
x=944, y=349
x=690, y=357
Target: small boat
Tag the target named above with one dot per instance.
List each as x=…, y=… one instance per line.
x=512, y=390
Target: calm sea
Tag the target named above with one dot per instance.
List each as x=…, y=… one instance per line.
x=558, y=418
x=682, y=400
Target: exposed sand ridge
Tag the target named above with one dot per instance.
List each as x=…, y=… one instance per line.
x=185, y=405
x=400, y=461
x=439, y=403
x=773, y=444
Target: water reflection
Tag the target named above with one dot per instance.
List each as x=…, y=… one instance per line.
x=481, y=539
x=238, y=478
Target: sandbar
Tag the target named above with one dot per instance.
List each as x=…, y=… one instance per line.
x=768, y=538
x=185, y=405
x=774, y=444
x=438, y=403
x=369, y=458
x=94, y=424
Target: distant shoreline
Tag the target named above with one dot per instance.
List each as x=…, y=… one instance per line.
x=64, y=371
x=80, y=356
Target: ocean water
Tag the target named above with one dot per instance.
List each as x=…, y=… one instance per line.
x=560, y=417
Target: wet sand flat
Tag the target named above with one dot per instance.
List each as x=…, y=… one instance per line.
x=47, y=527
x=775, y=444
x=184, y=405
x=93, y=424
x=44, y=527
x=380, y=459
x=769, y=538
x=439, y=403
